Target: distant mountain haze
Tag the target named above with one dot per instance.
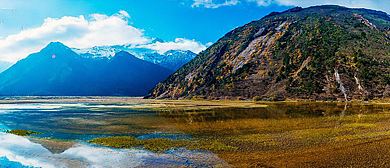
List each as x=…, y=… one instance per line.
x=58, y=70
x=4, y=66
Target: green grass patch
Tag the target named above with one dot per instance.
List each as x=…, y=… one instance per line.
x=358, y=125
x=160, y=144
x=362, y=136
x=22, y=132
x=117, y=142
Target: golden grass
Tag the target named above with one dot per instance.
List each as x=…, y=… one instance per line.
x=361, y=125
x=280, y=142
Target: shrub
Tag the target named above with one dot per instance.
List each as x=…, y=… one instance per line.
x=256, y=98
x=240, y=98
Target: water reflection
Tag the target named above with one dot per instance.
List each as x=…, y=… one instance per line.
x=21, y=150
x=79, y=122
x=87, y=120
x=275, y=111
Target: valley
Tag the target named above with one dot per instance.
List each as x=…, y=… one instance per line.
x=302, y=87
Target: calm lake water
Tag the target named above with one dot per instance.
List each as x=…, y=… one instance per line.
x=76, y=123
x=67, y=127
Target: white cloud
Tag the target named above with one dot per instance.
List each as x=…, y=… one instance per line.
x=211, y=4
x=80, y=32
x=261, y=2
x=124, y=14
x=178, y=44
x=74, y=32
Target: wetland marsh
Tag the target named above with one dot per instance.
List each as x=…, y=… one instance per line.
x=133, y=132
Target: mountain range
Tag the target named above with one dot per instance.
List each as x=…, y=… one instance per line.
x=320, y=53
x=58, y=70
x=171, y=59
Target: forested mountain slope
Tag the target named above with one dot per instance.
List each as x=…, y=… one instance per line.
x=321, y=52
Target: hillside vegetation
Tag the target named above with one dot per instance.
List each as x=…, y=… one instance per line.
x=321, y=53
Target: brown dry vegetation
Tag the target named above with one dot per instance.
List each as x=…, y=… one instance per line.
x=353, y=140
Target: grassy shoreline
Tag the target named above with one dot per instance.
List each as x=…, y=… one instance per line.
x=138, y=103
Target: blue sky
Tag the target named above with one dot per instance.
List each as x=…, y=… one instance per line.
x=166, y=19
x=183, y=24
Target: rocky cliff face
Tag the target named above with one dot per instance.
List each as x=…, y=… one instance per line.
x=322, y=52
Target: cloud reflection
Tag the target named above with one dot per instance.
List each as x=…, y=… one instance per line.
x=20, y=149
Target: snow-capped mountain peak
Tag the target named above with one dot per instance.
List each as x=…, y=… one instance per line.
x=172, y=59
